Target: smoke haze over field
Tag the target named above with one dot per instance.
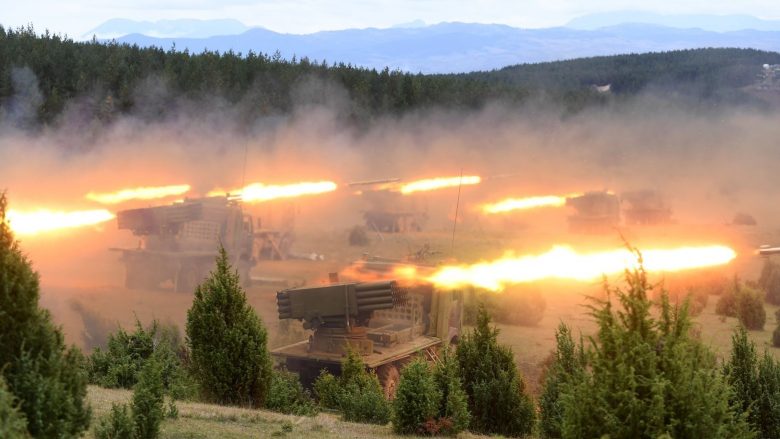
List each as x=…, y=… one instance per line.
x=709, y=162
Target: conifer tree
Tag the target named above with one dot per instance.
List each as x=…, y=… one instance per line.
x=357, y=392
x=453, y=406
x=47, y=378
x=756, y=384
x=148, y=399
x=416, y=400
x=13, y=425
x=361, y=398
x=498, y=401
x=646, y=377
x=227, y=341
x=565, y=369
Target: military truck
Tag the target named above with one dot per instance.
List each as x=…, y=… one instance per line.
x=179, y=242
x=594, y=212
x=645, y=207
x=389, y=211
x=386, y=321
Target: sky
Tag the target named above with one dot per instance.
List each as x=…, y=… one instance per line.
x=76, y=17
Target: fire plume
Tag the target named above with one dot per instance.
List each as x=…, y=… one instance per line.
x=511, y=204
x=44, y=220
x=259, y=192
x=430, y=184
x=138, y=193
x=562, y=262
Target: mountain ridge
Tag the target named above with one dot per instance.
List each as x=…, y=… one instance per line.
x=191, y=28
x=456, y=47
x=710, y=22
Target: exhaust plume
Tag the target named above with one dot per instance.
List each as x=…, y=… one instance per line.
x=259, y=192
x=431, y=184
x=139, y=193
x=563, y=262
x=512, y=204
x=43, y=220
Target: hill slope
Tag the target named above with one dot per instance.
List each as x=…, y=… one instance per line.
x=709, y=70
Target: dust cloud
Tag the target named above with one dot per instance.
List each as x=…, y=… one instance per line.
x=710, y=163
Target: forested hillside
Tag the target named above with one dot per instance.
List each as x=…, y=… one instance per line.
x=50, y=73
x=711, y=70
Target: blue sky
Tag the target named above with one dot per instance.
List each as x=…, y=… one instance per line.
x=76, y=17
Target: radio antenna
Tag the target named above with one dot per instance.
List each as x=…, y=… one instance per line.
x=457, y=207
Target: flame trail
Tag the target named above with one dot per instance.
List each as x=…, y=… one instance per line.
x=259, y=192
x=139, y=193
x=511, y=204
x=562, y=262
x=44, y=220
x=430, y=184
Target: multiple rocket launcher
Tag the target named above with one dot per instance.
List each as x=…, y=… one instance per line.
x=593, y=210
x=30, y=223
x=45, y=220
x=338, y=305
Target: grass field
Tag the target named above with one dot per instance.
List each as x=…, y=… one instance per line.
x=197, y=421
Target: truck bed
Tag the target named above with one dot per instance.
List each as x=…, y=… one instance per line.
x=380, y=356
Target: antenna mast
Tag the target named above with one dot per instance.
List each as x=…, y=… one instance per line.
x=457, y=207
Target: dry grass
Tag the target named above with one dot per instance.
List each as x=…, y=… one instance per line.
x=198, y=420
x=532, y=345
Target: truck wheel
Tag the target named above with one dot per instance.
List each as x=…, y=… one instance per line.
x=187, y=278
x=388, y=377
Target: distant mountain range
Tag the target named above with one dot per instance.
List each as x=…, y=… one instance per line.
x=464, y=47
x=715, y=23
x=181, y=28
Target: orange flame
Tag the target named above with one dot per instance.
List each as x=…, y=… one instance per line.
x=511, y=204
x=44, y=220
x=430, y=184
x=139, y=193
x=259, y=192
x=562, y=262
x=406, y=273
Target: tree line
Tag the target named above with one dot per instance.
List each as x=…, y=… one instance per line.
x=52, y=73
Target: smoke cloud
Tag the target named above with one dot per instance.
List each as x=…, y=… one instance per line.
x=709, y=162
x=21, y=110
